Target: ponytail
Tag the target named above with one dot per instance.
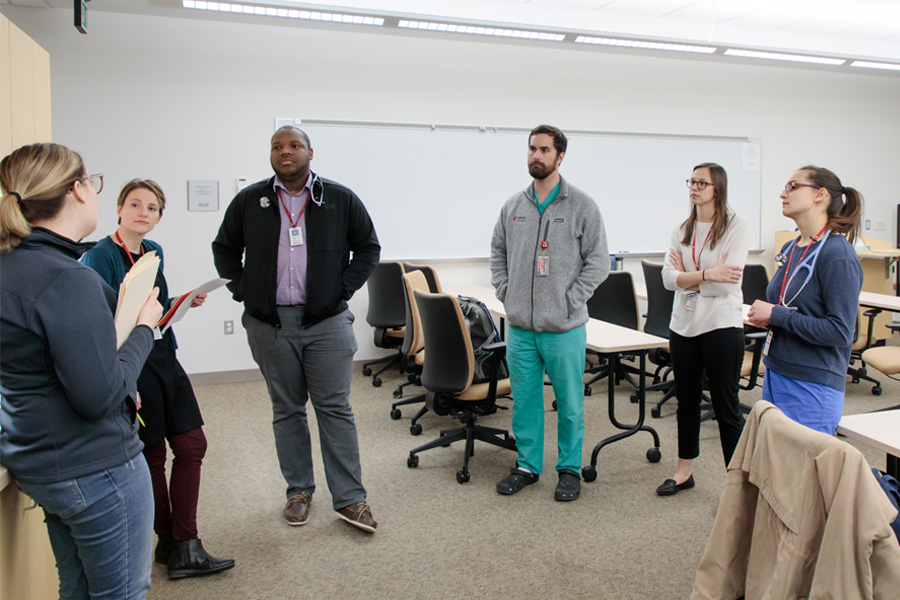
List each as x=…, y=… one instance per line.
x=846, y=206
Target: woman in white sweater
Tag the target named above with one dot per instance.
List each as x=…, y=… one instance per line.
x=703, y=266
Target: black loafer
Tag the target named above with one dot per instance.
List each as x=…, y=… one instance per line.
x=569, y=487
x=670, y=488
x=515, y=481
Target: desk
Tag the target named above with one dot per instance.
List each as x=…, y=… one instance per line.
x=878, y=429
x=883, y=301
x=609, y=340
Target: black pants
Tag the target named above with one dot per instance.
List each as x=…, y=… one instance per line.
x=720, y=352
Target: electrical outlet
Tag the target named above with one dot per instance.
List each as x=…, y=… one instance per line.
x=229, y=327
x=880, y=225
x=868, y=224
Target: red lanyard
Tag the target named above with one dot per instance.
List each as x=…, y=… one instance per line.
x=288, y=213
x=694, y=242
x=127, y=251
x=784, y=279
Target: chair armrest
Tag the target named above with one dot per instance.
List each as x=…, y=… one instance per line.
x=872, y=312
x=756, y=335
x=893, y=326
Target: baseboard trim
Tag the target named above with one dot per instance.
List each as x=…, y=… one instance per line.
x=226, y=377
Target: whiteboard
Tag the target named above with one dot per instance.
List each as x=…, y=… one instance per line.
x=436, y=191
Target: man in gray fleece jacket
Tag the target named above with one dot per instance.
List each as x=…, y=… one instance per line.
x=548, y=254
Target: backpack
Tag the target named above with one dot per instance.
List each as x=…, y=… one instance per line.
x=891, y=487
x=482, y=331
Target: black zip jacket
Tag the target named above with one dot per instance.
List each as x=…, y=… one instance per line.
x=337, y=225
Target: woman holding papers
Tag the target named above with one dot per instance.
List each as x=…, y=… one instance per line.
x=68, y=414
x=703, y=266
x=170, y=411
x=812, y=301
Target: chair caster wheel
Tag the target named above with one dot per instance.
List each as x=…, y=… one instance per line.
x=855, y=380
x=554, y=405
x=396, y=414
x=589, y=473
x=587, y=391
x=413, y=461
x=398, y=393
x=653, y=455
x=376, y=382
x=655, y=412
x=415, y=429
x=367, y=371
x=462, y=477
x=635, y=397
x=877, y=390
x=510, y=438
x=863, y=371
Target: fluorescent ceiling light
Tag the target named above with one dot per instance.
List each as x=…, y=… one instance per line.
x=273, y=11
x=478, y=30
x=584, y=39
x=875, y=65
x=819, y=60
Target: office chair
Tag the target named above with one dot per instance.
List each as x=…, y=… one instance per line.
x=448, y=378
x=386, y=315
x=431, y=284
x=884, y=358
x=413, y=348
x=434, y=284
x=754, y=282
x=861, y=346
x=613, y=301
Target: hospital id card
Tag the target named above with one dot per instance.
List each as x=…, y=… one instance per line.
x=296, y=236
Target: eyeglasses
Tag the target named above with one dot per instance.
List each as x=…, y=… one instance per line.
x=701, y=185
x=96, y=181
x=790, y=186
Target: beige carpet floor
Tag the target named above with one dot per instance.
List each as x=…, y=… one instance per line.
x=438, y=539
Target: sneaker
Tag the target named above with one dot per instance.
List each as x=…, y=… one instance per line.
x=569, y=487
x=359, y=515
x=515, y=481
x=296, y=511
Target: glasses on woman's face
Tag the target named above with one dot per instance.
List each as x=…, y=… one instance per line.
x=701, y=185
x=95, y=180
x=790, y=186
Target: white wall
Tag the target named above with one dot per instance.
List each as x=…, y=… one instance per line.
x=179, y=99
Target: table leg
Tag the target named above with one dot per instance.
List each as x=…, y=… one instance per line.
x=653, y=454
x=893, y=466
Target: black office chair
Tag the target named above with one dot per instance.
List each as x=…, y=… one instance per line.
x=659, y=313
x=862, y=344
x=754, y=282
x=613, y=301
x=448, y=376
x=387, y=315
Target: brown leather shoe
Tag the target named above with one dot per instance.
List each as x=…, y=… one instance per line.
x=296, y=511
x=359, y=515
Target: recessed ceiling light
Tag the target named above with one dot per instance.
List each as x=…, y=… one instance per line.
x=284, y=13
x=875, y=65
x=479, y=30
x=819, y=60
x=644, y=45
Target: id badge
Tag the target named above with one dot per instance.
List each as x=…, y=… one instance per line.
x=691, y=303
x=543, y=266
x=296, y=236
x=769, y=337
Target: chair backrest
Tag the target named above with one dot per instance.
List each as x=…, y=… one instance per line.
x=434, y=284
x=387, y=306
x=414, y=340
x=659, y=300
x=449, y=360
x=614, y=301
x=754, y=283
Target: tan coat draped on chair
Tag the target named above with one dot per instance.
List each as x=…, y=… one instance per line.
x=801, y=516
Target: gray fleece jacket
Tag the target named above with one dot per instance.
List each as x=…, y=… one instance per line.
x=576, y=254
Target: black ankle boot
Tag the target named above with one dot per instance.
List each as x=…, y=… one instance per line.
x=163, y=549
x=189, y=559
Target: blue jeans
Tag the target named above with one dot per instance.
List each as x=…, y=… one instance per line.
x=314, y=364
x=101, y=531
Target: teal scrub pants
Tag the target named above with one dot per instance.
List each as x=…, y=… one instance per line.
x=561, y=355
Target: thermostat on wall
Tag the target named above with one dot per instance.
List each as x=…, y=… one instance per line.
x=203, y=195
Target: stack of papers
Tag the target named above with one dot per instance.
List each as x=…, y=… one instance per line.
x=182, y=304
x=133, y=293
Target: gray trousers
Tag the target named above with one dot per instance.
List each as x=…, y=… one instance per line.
x=316, y=364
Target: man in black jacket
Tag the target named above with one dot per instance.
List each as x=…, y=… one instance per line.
x=296, y=247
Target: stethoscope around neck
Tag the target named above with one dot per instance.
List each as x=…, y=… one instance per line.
x=808, y=263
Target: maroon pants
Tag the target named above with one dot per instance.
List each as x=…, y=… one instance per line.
x=176, y=500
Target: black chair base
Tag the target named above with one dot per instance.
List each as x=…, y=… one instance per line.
x=389, y=361
x=470, y=432
x=414, y=427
